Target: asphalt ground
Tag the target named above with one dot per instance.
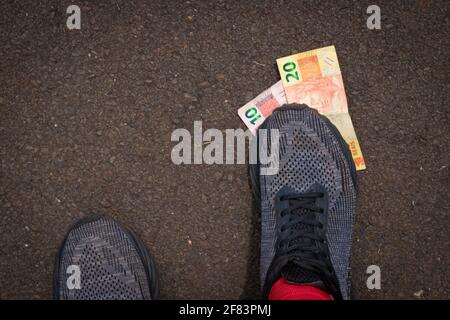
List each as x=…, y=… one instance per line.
x=87, y=116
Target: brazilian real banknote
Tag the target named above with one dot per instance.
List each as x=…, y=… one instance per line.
x=314, y=78
x=254, y=112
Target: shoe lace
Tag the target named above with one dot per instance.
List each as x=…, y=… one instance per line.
x=302, y=238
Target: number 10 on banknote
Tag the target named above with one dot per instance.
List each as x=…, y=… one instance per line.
x=314, y=78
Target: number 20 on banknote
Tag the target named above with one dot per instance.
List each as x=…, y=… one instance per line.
x=291, y=72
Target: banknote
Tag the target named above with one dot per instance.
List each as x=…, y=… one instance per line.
x=257, y=110
x=314, y=78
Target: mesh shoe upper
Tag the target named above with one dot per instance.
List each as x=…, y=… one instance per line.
x=311, y=152
x=113, y=264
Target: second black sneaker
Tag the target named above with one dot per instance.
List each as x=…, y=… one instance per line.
x=102, y=260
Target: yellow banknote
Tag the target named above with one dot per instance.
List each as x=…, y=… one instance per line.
x=314, y=78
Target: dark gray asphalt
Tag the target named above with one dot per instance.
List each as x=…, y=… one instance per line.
x=86, y=119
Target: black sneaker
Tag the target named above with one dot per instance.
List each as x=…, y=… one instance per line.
x=101, y=260
x=308, y=206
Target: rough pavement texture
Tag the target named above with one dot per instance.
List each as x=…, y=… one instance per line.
x=87, y=116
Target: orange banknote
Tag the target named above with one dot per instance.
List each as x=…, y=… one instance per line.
x=314, y=78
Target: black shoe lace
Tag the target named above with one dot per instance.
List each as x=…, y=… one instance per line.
x=302, y=239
